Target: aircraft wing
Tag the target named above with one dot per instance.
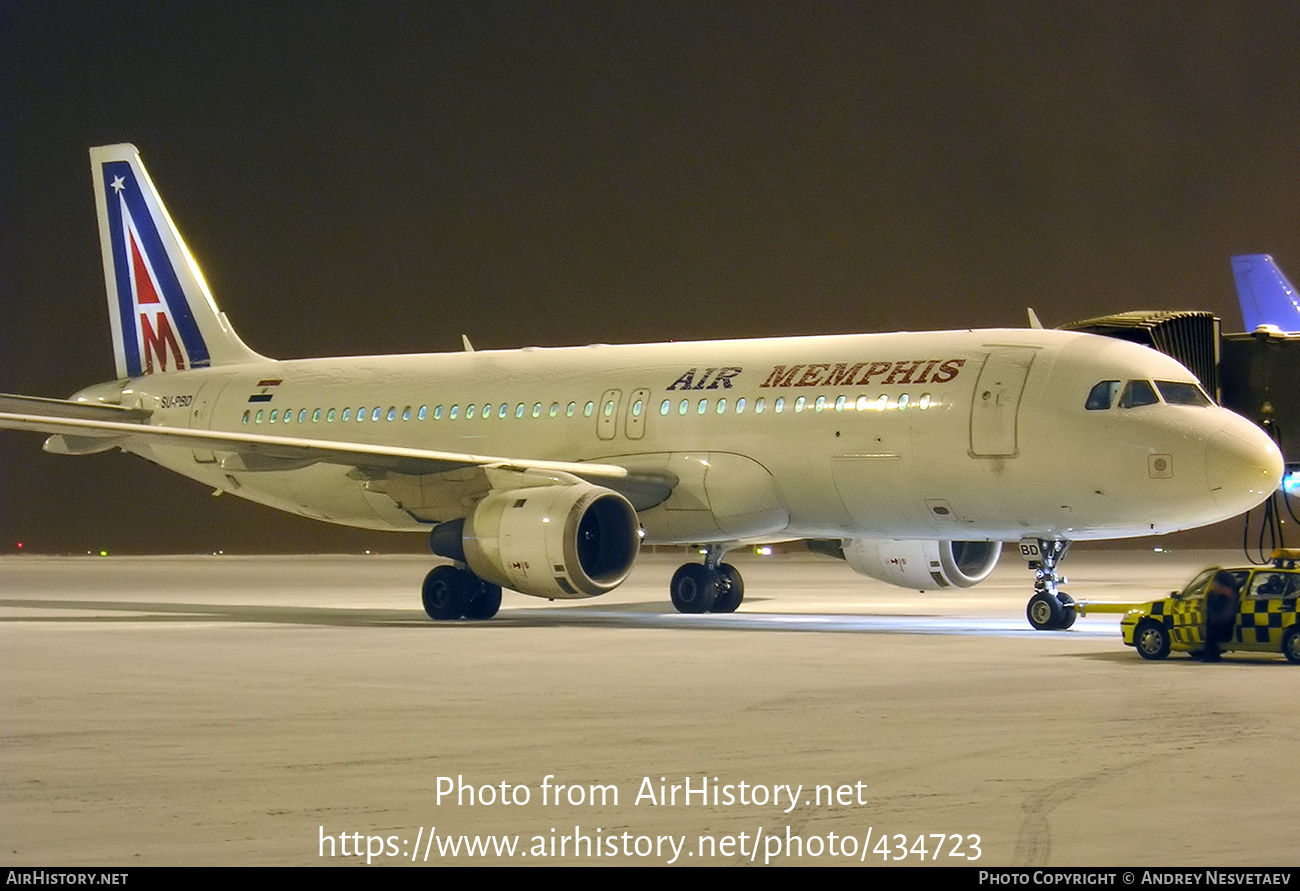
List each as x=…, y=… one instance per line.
x=83, y=428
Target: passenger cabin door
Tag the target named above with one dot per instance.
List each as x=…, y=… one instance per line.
x=995, y=407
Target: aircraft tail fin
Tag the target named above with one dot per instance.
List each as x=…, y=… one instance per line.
x=1267, y=297
x=161, y=312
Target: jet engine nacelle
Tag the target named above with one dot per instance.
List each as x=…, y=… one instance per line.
x=554, y=541
x=924, y=565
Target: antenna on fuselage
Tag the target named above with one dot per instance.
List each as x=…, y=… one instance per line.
x=469, y=347
x=1033, y=319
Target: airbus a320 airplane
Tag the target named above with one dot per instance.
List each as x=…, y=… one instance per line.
x=911, y=455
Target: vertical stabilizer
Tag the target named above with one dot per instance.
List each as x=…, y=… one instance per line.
x=1267, y=297
x=162, y=315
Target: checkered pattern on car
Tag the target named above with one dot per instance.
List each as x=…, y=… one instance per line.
x=1263, y=619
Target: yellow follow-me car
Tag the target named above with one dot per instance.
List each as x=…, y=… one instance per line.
x=1251, y=608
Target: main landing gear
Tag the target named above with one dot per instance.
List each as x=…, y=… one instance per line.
x=453, y=593
x=1049, y=609
x=710, y=587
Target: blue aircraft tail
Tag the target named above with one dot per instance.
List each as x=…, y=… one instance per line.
x=1268, y=299
x=162, y=315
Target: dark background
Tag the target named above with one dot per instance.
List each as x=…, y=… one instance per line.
x=381, y=177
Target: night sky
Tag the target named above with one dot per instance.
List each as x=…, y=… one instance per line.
x=381, y=177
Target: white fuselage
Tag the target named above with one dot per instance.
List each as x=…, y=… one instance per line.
x=957, y=435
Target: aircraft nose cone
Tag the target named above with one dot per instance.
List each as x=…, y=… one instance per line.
x=1242, y=465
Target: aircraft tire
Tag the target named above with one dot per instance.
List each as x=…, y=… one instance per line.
x=1151, y=640
x=485, y=602
x=1069, y=612
x=732, y=590
x=1291, y=645
x=443, y=593
x=1044, y=612
x=693, y=588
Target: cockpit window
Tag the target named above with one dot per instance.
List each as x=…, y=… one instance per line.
x=1179, y=393
x=1138, y=393
x=1102, y=396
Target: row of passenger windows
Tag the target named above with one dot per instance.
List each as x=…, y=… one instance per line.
x=491, y=409
x=1139, y=392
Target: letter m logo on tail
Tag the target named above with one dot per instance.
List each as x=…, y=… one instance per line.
x=156, y=335
x=162, y=315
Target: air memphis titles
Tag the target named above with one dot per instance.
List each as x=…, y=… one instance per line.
x=827, y=374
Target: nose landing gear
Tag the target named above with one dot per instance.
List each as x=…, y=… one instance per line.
x=1049, y=609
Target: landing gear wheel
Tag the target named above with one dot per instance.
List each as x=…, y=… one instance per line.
x=694, y=588
x=731, y=589
x=1044, y=612
x=485, y=602
x=443, y=593
x=1069, y=612
x=1049, y=609
x=1291, y=646
x=1151, y=639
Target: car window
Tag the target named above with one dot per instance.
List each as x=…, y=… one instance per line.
x=1233, y=578
x=1236, y=578
x=1196, y=587
x=1270, y=584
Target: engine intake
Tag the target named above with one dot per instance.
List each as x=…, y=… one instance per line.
x=557, y=542
x=924, y=565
